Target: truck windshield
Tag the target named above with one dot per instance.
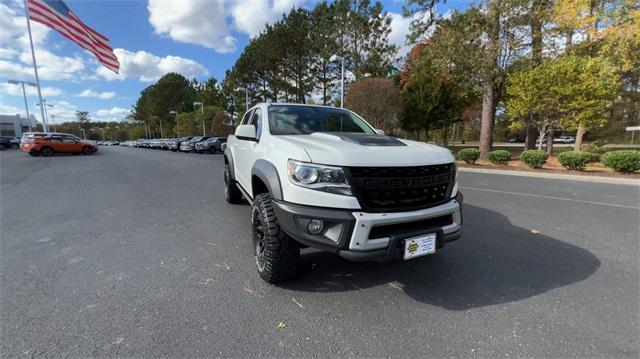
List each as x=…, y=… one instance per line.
x=304, y=120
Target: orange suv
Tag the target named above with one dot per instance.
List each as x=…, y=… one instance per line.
x=48, y=144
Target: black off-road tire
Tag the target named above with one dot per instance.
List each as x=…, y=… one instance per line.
x=232, y=193
x=47, y=151
x=277, y=254
x=87, y=151
x=34, y=154
x=212, y=150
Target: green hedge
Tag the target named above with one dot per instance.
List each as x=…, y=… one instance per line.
x=622, y=161
x=575, y=160
x=469, y=155
x=499, y=157
x=534, y=158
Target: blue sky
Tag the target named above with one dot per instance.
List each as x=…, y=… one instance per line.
x=197, y=38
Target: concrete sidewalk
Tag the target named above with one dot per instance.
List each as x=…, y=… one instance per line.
x=572, y=177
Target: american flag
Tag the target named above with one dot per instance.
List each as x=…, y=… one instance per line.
x=56, y=14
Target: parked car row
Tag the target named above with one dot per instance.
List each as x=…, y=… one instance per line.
x=108, y=143
x=7, y=142
x=198, y=144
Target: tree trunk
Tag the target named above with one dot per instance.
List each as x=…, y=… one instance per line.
x=486, y=120
x=550, y=142
x=324, y=87
x=426, y=134
x=532, y=137
x=541, y=131
x=579, y=134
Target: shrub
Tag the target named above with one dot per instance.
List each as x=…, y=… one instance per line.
x=469, y=155
x=622, y=161
x=593, y=156
x=574, y=160
x=594, y=149
x=534, y=158
x=499, y=157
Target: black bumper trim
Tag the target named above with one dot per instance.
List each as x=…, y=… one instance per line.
x=289, y=216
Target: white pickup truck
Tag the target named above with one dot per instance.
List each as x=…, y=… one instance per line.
x=322, y=177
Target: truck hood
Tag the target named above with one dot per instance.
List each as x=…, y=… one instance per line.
x=350, y=149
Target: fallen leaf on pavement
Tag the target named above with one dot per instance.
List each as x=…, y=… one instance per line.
x=535, y=231
x=281, y=325
x=298, y=303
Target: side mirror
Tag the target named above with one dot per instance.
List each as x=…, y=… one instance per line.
x=246, y=132
x=380, y=132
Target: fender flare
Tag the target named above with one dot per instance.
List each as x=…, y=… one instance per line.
x=267, y=172
x=228, y=158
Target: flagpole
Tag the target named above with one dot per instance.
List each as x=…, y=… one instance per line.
x=45, y=127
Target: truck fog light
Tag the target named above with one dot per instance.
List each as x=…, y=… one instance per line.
x=315, y=226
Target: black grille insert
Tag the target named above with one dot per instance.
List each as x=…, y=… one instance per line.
x=396, y=189
x=410, y=227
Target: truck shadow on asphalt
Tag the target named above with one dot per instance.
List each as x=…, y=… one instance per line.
x=494, y=262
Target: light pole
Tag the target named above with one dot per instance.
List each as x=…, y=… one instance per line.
x=201, y=109
x=45, y=121
x=84, y=134
x=335, y=58
x=53, y=121
x=173, y=113
x=246, y=97
x=24, y=94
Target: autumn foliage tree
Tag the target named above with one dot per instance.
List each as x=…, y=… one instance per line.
x=378, y=100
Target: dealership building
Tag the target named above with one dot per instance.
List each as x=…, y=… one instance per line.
x=15, y=125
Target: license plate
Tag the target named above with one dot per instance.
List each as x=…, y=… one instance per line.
x=419, y=246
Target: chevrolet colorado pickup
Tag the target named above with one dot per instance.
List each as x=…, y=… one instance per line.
x=322, y=177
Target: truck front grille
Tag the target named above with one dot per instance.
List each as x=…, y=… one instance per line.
x=397, y=189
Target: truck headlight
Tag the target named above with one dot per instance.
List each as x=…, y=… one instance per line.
x=319, y=177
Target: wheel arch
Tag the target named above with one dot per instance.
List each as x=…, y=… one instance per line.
x=228, y=159
x=265, y=178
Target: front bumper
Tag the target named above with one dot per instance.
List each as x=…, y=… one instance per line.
x=361, y=236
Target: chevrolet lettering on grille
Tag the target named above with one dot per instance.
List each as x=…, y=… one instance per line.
x=411, y=182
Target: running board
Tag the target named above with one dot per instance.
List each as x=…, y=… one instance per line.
x=245, y=194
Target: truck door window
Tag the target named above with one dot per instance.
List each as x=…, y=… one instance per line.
x=256, y=120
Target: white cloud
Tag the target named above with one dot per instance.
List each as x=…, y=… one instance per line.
x=106, y=95
x=250, y=16
x=208, y=23
x=114, y=111
x=400, y=29
x=111, y=114
x=195, y=22
x=10, y=109
x=149, y=67
x=16, y=90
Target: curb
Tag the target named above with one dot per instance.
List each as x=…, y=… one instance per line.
x=571, y=177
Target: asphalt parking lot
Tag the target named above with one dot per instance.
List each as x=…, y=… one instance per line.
x=134, y=253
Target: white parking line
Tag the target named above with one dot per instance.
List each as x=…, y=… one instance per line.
x=549, y=197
